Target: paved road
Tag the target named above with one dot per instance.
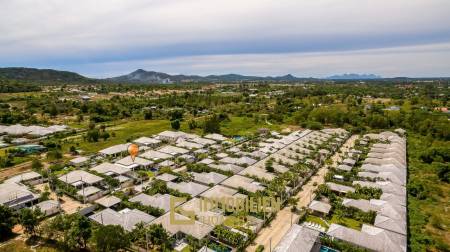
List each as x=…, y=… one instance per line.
x=272, y=235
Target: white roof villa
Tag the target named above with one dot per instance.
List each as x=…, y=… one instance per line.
x=15, y=195
x=78, y=177
x=340, y=188
x=24, y=177
x=161, y=201
x=238, y=181
x=191, y=188
x=126, y=218
x=155, y=155
x=320, y=206
x=79, y=161
x=108, y=201
x=129, y=163
x=33, y=130
x=110, y=169
x=173, y=150
x=299, y=238
x=208, y=177
x=216, y=137
x=197, y=229
x=227, y=167
x=114, y=150
x=147, y=141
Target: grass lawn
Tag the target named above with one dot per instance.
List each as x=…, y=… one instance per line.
x=351, y=223
x=233, y=222
x=20, y=246
x=317, y=220
x=245, y=126
x=186, y=249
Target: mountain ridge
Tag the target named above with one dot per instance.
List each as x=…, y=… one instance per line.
x=354, y=76
x=141, y=76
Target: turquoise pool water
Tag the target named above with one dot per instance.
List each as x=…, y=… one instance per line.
x=327, y=249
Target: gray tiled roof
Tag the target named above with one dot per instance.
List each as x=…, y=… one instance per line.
x=298, y=238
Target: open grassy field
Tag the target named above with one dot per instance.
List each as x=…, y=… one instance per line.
x=133, y=129
x=245, y=126
x=123, y=132
x=429, y=214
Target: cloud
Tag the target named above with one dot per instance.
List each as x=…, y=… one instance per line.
x=73, y=33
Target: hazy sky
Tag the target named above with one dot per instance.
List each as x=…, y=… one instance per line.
x=260, y=37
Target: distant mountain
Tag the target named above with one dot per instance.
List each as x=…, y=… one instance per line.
x=353, y=76
x=142, y=76
x=40, y=75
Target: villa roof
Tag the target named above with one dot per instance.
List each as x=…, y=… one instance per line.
x=208, y=177
x=12, y=194
x=298, y=237
x=116, y=149
x=158, y=200
x=126, y=218
x=340, y=188
x=320, y=206
x=146, y=141
x=215, y=136
x=173, y=150
x=108, y=201
x=128, y=161
x=238, y=181
x=107, y=167
x=191, y=188
x=88, y=191
x=78, y=176
x=197, y=229
x=155, y=155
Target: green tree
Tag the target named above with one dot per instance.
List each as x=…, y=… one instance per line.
x=36, y=164
x=159, y=236
x=212, y=125
x=79, y=231
x=148, y=114
x=29, y=219
x=175, y=124
x=7, y=221
x=110, y=238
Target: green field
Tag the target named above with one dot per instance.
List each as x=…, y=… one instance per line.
x=133, y=129
x=123, y=132
x=244, y=126
x=429, y=215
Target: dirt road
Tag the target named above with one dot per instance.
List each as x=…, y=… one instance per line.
x=20, y=168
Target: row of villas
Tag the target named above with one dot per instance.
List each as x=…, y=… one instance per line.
x=384, y=168
x=245, y=163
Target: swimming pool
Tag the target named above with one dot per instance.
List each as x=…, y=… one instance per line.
x=327, y=249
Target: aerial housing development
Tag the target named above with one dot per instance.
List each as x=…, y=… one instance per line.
x=224, y=126
x=359, y=199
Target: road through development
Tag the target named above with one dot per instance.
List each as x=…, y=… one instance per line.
x=271, y=235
